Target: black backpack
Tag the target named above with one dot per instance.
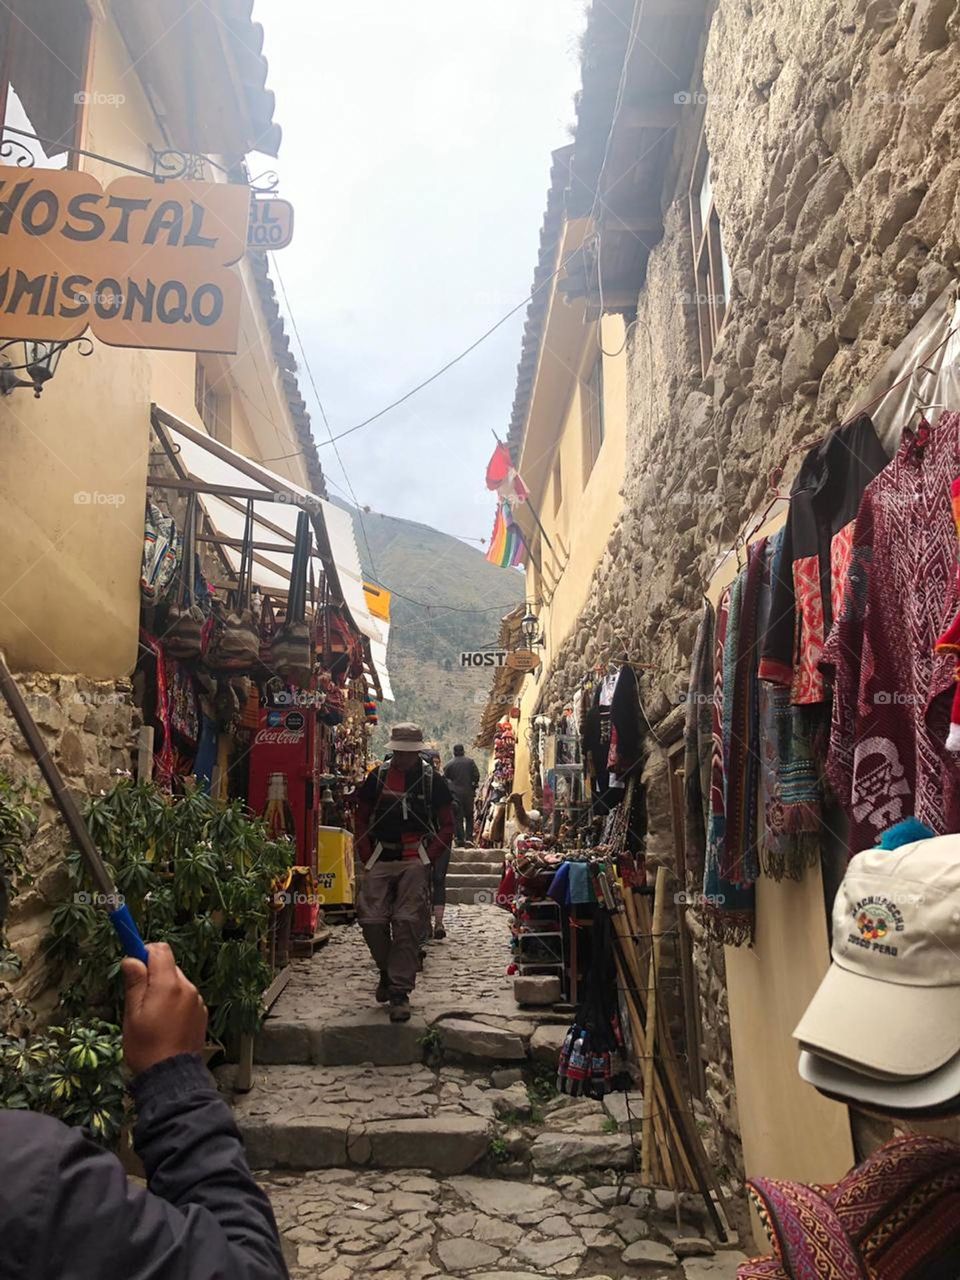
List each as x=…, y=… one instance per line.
x=425, y=793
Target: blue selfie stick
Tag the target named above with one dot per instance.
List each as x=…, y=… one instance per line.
x=120, y=917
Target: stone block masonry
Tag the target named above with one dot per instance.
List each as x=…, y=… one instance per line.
x=831, y=126
x=91, y=729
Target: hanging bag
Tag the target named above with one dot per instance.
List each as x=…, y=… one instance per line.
x=183, y=637
x=292, y=657
x=161, y=554
x=237, y=647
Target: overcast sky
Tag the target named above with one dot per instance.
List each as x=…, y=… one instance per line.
x=416, y=148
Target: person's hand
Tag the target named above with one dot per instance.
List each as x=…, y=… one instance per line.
x=163, y=1014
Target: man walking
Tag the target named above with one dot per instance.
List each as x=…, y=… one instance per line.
x=404, y=825
x=464, y=778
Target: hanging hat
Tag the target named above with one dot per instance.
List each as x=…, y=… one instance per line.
x=406, y=737
x=890, y=1003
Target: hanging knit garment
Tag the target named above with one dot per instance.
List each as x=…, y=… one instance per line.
x=790, y=789
x=698, y=747
x=727, y=909
x=887, y=757
x=738, y=860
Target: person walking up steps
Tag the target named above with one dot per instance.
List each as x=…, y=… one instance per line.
x=464, y=777
x=404, y=825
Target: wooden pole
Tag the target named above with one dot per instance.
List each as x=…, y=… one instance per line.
x=653, y=974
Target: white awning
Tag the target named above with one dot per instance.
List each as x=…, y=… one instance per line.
x=197, y=457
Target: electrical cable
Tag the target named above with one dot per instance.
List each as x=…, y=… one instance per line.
x=456, y=359
x=323, y=412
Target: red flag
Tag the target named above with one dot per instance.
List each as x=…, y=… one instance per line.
x=499, y=466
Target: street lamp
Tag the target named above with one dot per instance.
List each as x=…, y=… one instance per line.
x=39, y=361
x=529, y=626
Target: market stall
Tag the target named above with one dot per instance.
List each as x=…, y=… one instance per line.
x=261, y=662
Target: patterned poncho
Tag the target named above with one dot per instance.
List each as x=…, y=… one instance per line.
x=887, y=758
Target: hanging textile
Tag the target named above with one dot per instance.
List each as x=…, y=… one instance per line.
x=698, y=746
x=816, y=550
x=891, y=706
x=727, y=909
x=789, y=800
x=626, y=739
x=738, y=858
x=506, y=544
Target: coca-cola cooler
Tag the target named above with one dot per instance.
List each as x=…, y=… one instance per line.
x=286, y=743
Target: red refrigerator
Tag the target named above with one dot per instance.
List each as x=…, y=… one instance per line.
x=286, y=742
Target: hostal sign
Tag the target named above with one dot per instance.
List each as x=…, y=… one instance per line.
x=141, y=263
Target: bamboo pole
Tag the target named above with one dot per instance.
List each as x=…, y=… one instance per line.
x=653, y=974
x=654, y=1105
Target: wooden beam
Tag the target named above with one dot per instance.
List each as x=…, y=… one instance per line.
x=214, y=490
x=285, y=548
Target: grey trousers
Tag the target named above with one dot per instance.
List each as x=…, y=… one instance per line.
x=393, y=911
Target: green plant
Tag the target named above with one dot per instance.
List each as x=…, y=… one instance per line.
x=610, y=1125
x=499, y=1150
x=72, y=1072
x=196, y=875
x=18, y=820
x=431, y=1042
x=542, y=1085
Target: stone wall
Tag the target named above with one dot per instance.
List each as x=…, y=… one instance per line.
x=91, y=729
x=831, y=125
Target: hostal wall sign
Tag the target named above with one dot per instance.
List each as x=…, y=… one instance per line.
x=141, y=263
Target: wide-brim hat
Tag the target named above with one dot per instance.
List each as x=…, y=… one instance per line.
x=889, y=1005
x=406, y=737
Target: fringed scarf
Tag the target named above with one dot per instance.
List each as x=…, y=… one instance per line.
x=739, y=860
x=790, y=801
x=698, y=747
x=727, y=909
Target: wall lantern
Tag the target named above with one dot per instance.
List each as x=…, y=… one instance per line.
x=39, y=360
x=529, y=626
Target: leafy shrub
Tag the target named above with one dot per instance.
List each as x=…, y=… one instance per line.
x=71, y=1072
x=196, y=874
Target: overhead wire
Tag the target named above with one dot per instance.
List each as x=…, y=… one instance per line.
x=323, y=412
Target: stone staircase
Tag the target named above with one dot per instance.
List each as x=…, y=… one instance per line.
x=474, y=875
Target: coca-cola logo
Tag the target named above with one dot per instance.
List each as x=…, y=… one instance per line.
x=278, y=737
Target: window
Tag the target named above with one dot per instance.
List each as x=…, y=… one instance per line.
x=557, y=486
x=591, y=399
x=44, y=51
x=212, y=406
x=711, y=267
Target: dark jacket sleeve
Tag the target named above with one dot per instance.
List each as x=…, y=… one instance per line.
x=78, y=1216
x=474, y=774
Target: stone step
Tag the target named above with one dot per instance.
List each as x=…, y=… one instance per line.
x=491, y=857
x=474, y=869
x=367, y=1036
x=472, y=880
x=313, y=1118
x=471, y=897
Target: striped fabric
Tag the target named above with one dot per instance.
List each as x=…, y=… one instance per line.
x=506, y=544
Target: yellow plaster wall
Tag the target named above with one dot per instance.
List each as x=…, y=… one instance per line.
x=69, y=568
x=580, y=529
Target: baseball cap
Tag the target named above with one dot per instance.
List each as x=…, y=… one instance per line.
x=889, y=1005
x=899, y=1095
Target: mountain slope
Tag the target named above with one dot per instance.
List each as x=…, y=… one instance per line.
x=456, y=601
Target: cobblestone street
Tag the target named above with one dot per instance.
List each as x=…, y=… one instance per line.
x=435, y=1149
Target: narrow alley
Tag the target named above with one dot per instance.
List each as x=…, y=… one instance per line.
x=440, y=1148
